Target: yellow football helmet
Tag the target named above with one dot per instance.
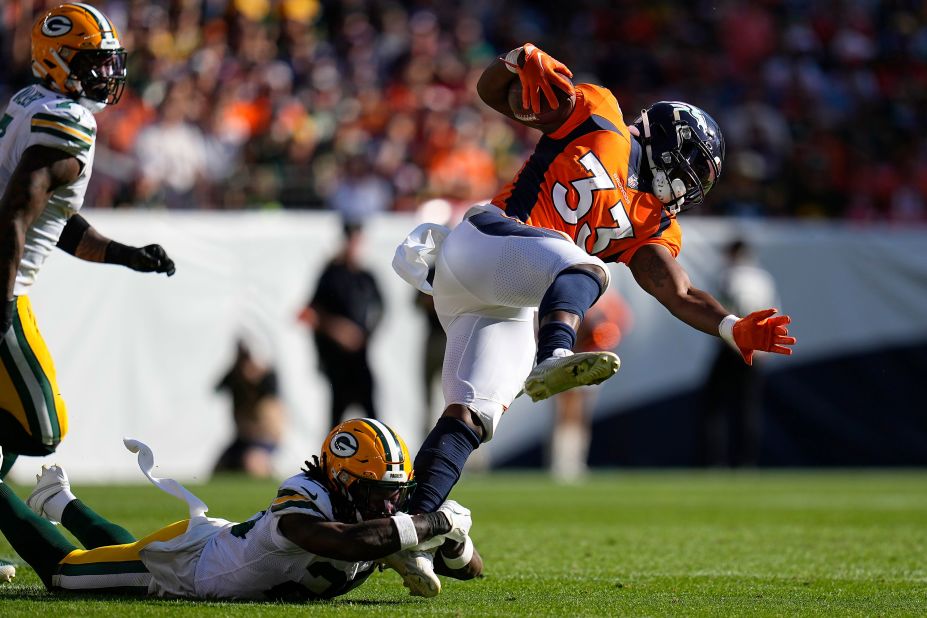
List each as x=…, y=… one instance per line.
x=76, y=51
x=369, y=465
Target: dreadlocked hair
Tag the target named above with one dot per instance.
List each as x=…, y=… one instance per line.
x=342, y=508
x=315, y=471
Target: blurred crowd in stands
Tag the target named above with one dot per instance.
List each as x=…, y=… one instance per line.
x=370, y=105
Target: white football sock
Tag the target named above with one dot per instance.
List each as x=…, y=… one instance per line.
x=54, y=506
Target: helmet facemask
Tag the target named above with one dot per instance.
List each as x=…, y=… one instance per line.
x=375, y=499
x=99, y=75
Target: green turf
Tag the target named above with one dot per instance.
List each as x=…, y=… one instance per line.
x=626, y=543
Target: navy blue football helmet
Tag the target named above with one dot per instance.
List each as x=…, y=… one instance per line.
x=685, y=152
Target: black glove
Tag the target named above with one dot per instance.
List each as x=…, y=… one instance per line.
x=150, y=258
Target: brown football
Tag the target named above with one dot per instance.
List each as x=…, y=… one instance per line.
x=547, y=115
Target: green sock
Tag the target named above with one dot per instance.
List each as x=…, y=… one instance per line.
x=8, y=460
x=34, y=539
x=92, y=529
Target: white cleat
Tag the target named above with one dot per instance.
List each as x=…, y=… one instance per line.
x=417, y=570
x=52, y=480
x=561, y=373
x=7, y=571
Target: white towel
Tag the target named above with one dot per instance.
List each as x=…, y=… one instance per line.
x=196, y=506
x=417, y=254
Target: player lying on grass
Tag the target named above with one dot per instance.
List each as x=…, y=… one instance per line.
x=595, y=190
x=321, y=536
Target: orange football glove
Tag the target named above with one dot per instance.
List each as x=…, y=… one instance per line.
x=761, y=331
x=536, y=75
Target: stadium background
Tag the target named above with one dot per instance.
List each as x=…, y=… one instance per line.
x=295, y=106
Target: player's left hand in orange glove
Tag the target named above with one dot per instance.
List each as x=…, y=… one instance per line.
x=758, y=331
x=539, y=72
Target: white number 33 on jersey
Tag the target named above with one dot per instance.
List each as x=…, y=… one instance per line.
x=584, y=187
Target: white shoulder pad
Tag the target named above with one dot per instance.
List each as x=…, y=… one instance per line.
x=63, y=124
x=302, y=495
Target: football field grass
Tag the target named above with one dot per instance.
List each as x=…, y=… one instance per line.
x=848, y=543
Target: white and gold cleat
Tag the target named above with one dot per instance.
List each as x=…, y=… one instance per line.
x=417, y=570
x=566, y=370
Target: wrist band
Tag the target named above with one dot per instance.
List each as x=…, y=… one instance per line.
x=511, y=59
x=72, y=233
x=408, y=537
x=726, y=330
x=463, y=559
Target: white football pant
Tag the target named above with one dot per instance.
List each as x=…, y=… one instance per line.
x=490, y=277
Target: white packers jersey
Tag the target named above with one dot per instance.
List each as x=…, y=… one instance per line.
x=253, y=560
x=39, y=116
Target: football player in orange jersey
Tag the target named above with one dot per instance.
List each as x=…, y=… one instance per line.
x=595, y=189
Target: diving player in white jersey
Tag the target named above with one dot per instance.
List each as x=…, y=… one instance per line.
x=321, y=536
x=47, y=134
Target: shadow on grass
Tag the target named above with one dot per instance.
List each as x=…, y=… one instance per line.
x=38, y=593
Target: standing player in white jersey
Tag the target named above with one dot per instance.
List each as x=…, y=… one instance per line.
x=47, y=138
x=320, y=537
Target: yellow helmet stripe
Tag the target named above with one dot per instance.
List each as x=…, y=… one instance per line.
x=388, y=439
x=106, y=27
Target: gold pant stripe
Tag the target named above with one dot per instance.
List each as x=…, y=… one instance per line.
x=128, y=551
x=43, y=356
x=21, y=381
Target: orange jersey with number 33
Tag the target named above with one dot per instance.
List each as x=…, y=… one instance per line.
x=582, y=181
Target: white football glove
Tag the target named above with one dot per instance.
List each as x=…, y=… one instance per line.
x=459, y=517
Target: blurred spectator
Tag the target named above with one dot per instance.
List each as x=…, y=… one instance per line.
x=344, y=312
x=171, y=153
x=258, y=414
x=821, y=102
x=359, y=193
x=732, y=394
x=600, y=330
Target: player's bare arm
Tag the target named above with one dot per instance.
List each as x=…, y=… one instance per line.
x=41, y=170
x=83, y=241
x=660, y=275
x=367, y=540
